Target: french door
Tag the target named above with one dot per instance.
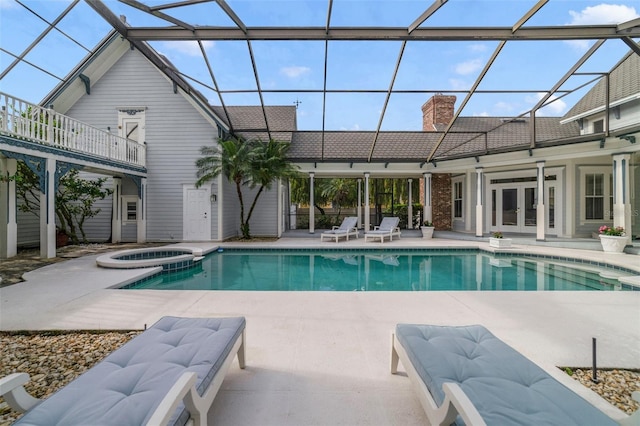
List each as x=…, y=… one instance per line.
x=514, y=207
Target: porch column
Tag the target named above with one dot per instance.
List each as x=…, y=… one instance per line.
x=312, y=225
x=621, y=194
x=367, y=216
x=410, y=208
x=8, y=209
x=479, y=203
x=48, y=211
x=359, y=205
x=281, y=204
x=142, y=211
x=427, y=212
x=540, y=208
x=116, y=213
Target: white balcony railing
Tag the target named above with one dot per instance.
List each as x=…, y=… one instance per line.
x=24, y=120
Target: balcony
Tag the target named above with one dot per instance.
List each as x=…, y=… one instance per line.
x=22, y=120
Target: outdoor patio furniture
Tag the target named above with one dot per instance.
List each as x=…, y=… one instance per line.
x=387, y=228
x=347, y=228
x=167, y=375
x=467, y=374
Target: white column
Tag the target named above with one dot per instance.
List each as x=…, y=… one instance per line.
x=116, y=213
x=367, y=216
x=8, y=209
x=541, y=222
x=359, y=206
x=312, y=225
x=427, y=211
x=479, y=203
x=48, y=212
x=280, y=208
x=410, y=208
x=621, y=194
x=142, y=212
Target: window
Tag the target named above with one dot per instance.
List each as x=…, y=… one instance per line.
x=598, y=126
x=597, y=201
x=129, y=208
x=457, y=199
x=594, y=196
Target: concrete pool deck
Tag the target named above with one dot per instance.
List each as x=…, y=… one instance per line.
x=322, y=358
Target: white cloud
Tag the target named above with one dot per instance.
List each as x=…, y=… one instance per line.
x=603, y=14
x=504, y=106
x=481, y=114
x=354, y=127
x=8, y=4
x=457, y=84
x=188, y=47
x=478, y=48
x=468, y=67
x=555, y=108
x=599, y=15
x=294, y=72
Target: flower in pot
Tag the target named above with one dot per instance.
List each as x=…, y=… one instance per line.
x=427, y=229
x=497, y=240
x=618, y=231
x=613, y=240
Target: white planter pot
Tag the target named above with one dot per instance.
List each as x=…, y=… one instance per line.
x=612, y=243
x=500, y=242
x=427, y=231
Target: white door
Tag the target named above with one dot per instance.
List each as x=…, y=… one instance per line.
x=516, y=208
x=197, y=214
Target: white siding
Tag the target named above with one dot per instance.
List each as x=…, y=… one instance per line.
x=174, y=129
x=28, y=229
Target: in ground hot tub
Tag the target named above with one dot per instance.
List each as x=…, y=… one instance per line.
x=170, y=259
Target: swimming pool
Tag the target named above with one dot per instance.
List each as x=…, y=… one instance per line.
x=385, y=270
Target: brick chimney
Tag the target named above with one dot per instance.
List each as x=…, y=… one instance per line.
x=438, y=109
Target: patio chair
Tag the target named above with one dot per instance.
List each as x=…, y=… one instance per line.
x=466, y=374
x=346, y=229
x=168, y=375
x=387, y=228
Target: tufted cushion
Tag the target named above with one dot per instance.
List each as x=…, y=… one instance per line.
x=128, y=385
x=504, y=386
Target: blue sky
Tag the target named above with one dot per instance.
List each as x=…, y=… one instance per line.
x=288, y=65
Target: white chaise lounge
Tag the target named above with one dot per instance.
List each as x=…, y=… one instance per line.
x=167, y=375
x=466, y=375
x=347, y=228
x=387, y=228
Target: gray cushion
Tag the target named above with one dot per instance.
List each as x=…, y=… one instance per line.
x=504, y=386
x=128, y=385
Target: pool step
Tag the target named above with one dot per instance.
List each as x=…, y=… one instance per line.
x=583, y=275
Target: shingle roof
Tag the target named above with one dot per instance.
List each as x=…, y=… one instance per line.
x=249, y=123
x=469, y=136
x=624, y=81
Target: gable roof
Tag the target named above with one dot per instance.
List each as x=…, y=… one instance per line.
x=624, y=83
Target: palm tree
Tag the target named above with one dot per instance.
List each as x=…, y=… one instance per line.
x=245, y=163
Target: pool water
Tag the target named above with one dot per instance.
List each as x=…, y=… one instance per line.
x=371, y=270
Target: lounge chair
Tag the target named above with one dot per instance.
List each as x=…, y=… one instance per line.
x=387, y=228
x=346, y=229
x=167, y=375
x=466, y=374
x=387, y=259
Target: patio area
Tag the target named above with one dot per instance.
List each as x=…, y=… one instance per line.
x=319, y=358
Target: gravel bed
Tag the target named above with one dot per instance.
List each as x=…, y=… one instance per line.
x=53, y=359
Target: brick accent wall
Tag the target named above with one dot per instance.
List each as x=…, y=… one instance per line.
x=441, y=201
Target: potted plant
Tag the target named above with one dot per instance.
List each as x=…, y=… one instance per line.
x=497, y=240
x=613, y=240
x=427, y=229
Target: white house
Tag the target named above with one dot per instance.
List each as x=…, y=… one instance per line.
x=543, y=176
